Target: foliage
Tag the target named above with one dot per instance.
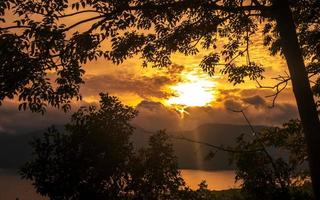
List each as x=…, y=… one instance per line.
x=203, y=193
x=155, y=174
x=40, y=41
x=94, y=159
x=266, y=177
x=90, y=159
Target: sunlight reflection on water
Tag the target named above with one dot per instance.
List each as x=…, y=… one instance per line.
x=216, y=180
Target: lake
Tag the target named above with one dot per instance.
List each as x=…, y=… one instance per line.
x=11, y=187
x=216, y=180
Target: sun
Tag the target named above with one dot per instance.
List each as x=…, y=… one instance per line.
x=195, y=90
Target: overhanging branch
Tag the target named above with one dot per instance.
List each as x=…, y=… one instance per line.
x=157, y=7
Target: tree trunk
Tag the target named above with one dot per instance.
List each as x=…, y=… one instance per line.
x=301, y=88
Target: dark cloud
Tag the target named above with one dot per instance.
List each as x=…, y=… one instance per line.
x=144, y=86
x=262, y=116
x=285, y=96
x=232, y=104
x=257, y=101
x=258, y=97
x=155, y=116
x=14, y=121
x=150, y=105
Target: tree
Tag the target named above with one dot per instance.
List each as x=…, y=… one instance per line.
x=90, y=160
x=273, y=176
x=155, y=29
x=156, y=174
x=94, y=159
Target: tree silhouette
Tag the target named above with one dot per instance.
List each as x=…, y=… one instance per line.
x=89, y=161
x=156, y=29
x=156, y=174
x=94, y=159
x=273, y=177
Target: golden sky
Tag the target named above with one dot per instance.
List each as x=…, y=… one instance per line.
x=180, y=96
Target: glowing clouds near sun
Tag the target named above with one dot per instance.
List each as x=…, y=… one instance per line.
x=196, y=89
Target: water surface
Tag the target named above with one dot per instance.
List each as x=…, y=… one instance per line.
x=216, y=180
x=12, y=187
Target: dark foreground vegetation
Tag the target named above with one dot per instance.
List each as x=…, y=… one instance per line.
x=94, y=159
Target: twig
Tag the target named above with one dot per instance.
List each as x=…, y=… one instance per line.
x=220, y=148
x=245, y=117
x=279, y=87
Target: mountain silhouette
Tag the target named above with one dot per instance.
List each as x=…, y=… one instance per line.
x=15, y=149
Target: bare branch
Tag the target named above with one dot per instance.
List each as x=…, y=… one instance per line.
x=247, y=120
x=279, y=87
x=220, y=148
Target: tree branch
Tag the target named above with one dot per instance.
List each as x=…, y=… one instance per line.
x=279, y=87
x=211, y=5
x=79, y=12
x=13, y=27
x=220, y=148
x=160, y=7
x=83, y=21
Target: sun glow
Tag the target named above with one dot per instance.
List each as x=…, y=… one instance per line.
x=196, y=90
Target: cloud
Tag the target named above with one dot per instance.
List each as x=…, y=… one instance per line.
x=155, y=116
x=283, y=111
x=266, y=116
x=146, y=91
x=256, y=96
x=237, y=103
x=257, y=101
x=232, y=104
x=144, y=86
x=285, y=96
x=14, y=121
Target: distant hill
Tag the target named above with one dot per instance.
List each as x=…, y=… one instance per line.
x=15, y=149
x=192, y=155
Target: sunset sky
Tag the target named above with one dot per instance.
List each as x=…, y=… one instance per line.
x=181, y=96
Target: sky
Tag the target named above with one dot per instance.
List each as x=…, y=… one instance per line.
x=179, y=97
